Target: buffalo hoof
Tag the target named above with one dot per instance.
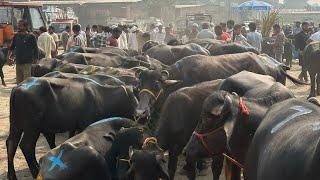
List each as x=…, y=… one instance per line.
x=12, y=177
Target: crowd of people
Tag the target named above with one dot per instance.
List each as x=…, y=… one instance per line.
x=131, y=37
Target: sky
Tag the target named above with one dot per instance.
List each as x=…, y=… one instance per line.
x=314, y=1
x=311, y=1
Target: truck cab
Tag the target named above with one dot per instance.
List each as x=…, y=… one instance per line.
x=12, y=12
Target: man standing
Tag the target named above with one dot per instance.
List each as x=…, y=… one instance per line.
x=55, y=38
x=76, y=39
x=254, y=38
x=237, y=35
x=205, y=33
x=65, y=36
x=230, y=26
x=113, y=40
x=24, y=46
x=122, y=41
x=194, y=32
x=300, y=43
x=169, y=35
x=278, y=44
x=223, y=36
x=132, y=38
x=46, y=42
x=153, y=32
x=160, y=35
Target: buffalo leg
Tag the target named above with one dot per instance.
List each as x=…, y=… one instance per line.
x=173, y=161
x=2, y=78
x=232, y=171
x=28, y=145
x=236, y=172
x=313, y=84
x=190, y=167
x=216, y=166
x=51, y=139
x=318, y=83
x=12, y=144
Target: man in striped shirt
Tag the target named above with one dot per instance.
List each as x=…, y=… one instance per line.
x=76, y=39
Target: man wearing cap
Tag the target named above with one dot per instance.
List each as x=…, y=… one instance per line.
x=194, y=31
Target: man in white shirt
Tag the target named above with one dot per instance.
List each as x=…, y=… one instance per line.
x=238, y=36
x=205, y=33
x=254, y=38
x=122, y=41
x=160, y=35
x=46, y=42
x=84, y=36
x=132, y=39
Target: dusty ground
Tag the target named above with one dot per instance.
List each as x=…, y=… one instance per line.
x=42, y=147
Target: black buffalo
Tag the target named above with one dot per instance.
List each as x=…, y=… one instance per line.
x=154, y=85
x=97, y=78
x=51, y=105
x=45, y=66
x=286, y=144
x=232, y=48
x=170, y=54
x=228, y=122
x=93, y=153
x=311, y=62
x=3, y=61
x=148, y=45
x=181, y=111
x=216, y=47
x=148, y=163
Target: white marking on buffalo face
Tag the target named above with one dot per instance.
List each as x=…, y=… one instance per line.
x=300, y=111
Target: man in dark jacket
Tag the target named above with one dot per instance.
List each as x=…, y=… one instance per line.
x=300, y=43
x=24, y=46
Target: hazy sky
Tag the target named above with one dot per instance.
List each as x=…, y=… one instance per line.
x=312, y=1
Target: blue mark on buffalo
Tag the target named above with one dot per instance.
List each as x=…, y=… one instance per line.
x=105, y=120
x=29, y=84
x=56, y=161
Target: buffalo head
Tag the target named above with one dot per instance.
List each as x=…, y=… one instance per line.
x=213, y=132
x=147, y=165
x=152, y=86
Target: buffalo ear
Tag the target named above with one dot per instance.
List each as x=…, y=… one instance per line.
x=165, y=75
x=109, y=136
x=235, y=94
x=162, y=168
x=224, y=108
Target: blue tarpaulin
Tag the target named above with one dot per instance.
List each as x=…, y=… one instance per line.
x=255, y=5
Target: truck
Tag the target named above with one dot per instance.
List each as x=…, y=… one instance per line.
x=12, y=12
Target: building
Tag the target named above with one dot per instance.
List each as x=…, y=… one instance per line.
x=97, y=11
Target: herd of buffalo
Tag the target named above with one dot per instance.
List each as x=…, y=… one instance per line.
x=123, y=110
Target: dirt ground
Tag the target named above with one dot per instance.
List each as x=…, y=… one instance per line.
x=42, y=147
